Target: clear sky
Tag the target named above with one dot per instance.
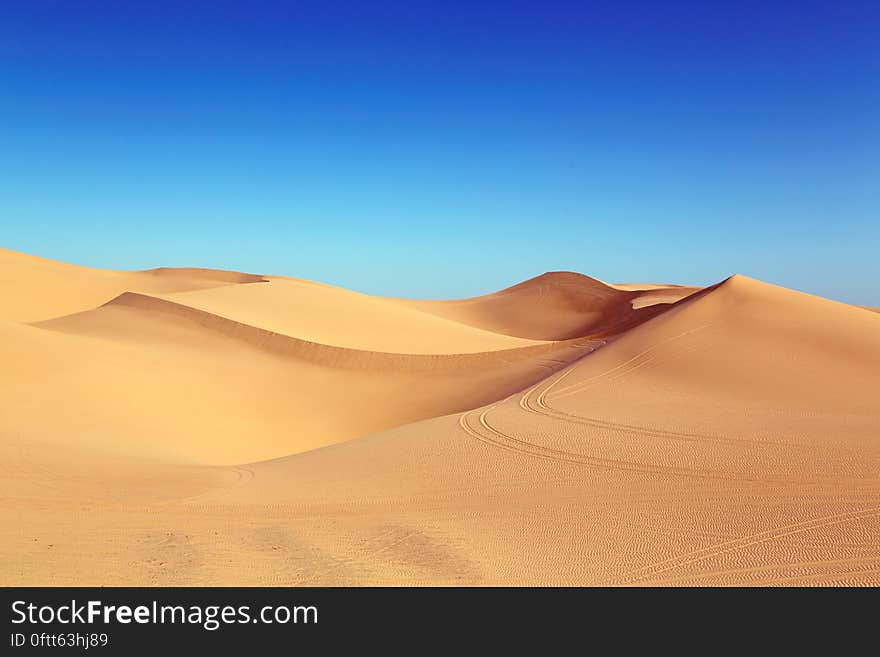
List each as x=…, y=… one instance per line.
x=448, y=149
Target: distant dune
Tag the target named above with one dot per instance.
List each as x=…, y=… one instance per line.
x=553, y=306
x=34, y=288
x=195, y=426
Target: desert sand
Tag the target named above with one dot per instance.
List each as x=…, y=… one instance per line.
x=204, y=427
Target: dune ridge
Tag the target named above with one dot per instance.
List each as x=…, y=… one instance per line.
x=204, y=274
x=35, y=289
x=333, y=316
x=191, y=426
x=315, y=352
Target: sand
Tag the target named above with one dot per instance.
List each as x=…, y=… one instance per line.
x=203, y=427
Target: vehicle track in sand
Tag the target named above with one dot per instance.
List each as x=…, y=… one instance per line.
x=646, y=573
x=534, y=400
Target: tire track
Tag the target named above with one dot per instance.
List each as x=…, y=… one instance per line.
x=871, y=566
x=679, y=561
x=510, y=443
x=243, y=476
x=489, y=434
x=624, y=365
x=539, y=405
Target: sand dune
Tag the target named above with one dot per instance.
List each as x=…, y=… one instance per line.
x=553, y=306
x=202, y=427
x=151, y=376
x=34, y=289
x=330, y=315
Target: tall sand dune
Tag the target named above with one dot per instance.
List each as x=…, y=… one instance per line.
x=703, y=447
x=553, y=306
x=200, y=427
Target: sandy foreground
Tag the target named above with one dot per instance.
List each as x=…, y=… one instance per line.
x=201, y=427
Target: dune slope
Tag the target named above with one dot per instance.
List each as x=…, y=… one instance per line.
x=331, y=315
x=150, y=376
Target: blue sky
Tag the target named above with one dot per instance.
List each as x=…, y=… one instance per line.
x=448, y=149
